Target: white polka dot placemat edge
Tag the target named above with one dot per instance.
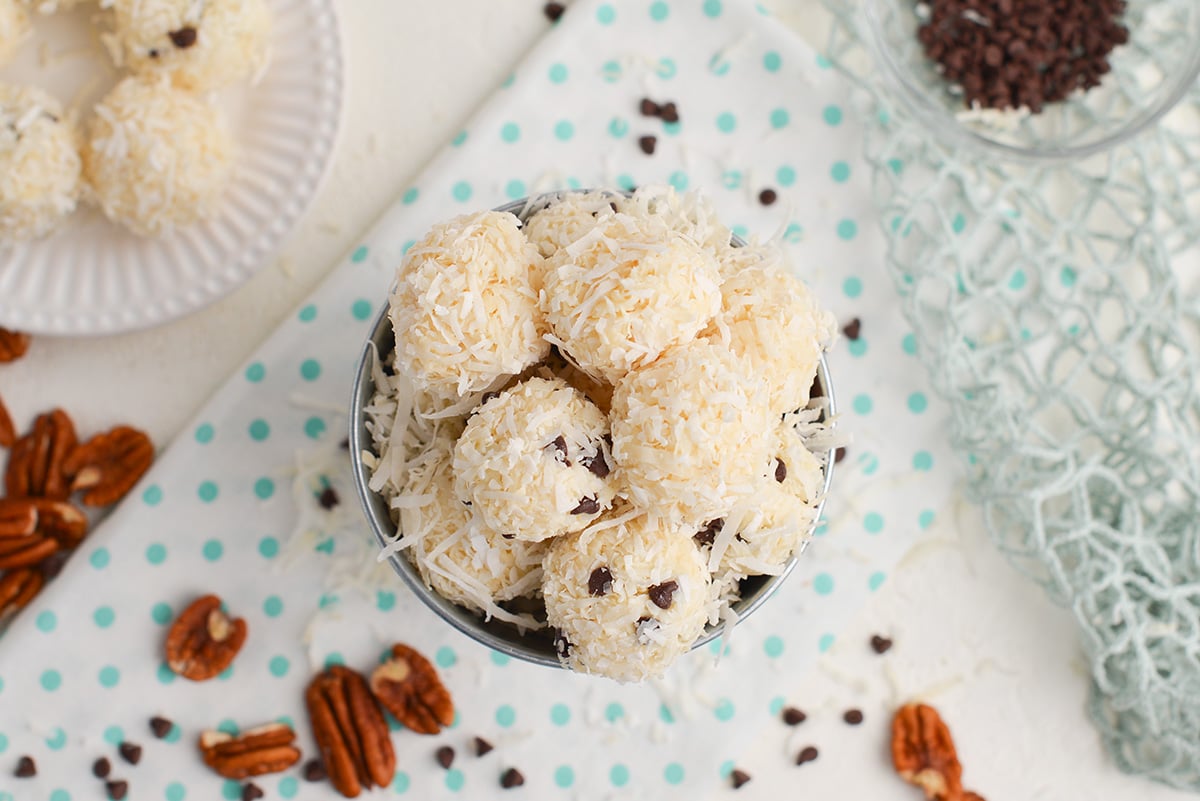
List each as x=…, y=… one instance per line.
x=82, y=669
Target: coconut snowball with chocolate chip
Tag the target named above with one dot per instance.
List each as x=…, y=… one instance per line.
x=533, y=462
x=628, y=595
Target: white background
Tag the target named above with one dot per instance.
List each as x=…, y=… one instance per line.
x=971, y=636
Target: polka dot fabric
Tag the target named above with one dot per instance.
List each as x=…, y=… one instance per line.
x=82, y=669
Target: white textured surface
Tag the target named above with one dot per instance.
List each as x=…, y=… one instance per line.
x=970, y=634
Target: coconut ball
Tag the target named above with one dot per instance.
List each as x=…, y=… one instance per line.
x=769, y=318
x=691, y=433
x=39, y=163
x=463, y=563
x=628, y=595
x=156, y=157
x=14, y=29
x=465, y=308
x=690, y=214
x=626, y=291
x=567, y=219
x=533, y=462
x=201, y=45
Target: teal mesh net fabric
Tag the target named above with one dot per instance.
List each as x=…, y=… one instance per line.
x=1057, y=311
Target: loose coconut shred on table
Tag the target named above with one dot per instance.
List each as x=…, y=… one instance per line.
x=602, y=416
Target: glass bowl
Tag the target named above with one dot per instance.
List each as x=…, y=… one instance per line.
x=531, y=646
x=1149, y=75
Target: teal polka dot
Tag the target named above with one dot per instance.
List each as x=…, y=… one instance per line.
x=673, y=773
x=832, y=115
x=153, y=495
x=445, y=657
x=228, y=726
x=825, y=643
x=213, y=549
x=917, y=402
x=310, y=369
x=1017, y=281
x=160, y=613
x=515, y=189
x=665, y=714
x=560, y=715
x=564, y=776
x=260, y=430
x=51, y=680
x=785, y=176
x=455, y=780
x=506, y=716
x=617, y=127
x=174, y=735
x=875, y=581
x=925, y=519
x=46, y=621
x=360, y=253
x=611, y=70
x=204, y=433
x=618, y=775
x=605, y=14
x=847, y=230
x=268, y=547
x=104, y=616
x=659, y=11
x=614, y=712
x=726, y=122
x=401, y=783
x=361, y=309
x=725, y=768
x=776, y=705
x=57, y=739
x=840, y=172
x=308, y=313
x=114, y=735
x=109, y=676
x=314, y=427
x=564, y=130
x=461, y=137
x=226, y=674
x=773, y=646
x=678, y=180
x=780, y=118
x=740, y=230
x=672, y=128
x=873, y=523
x=862, y=404
x=3, y=742
x=288, y=786
x=896, y=166
x=231, y=790
x=823, y=584
x=731, y=179
x=99, y=558
x=164, y=674
x=852, y=287
x=385, y=600
x=712, y=8
x=1067, y=277
x=858, y=347
x=958, y=223
x=207, y=491
x=558, y=73
x=255, y=373
x=60, y=795
x=909, y=344
x=626, y=182
x=279, y=666
x=411, y=195
x=922, y=460
x=461, y=191
x=724, y=710
x=334, y=658
x=510, y=132
x=772, y=61
x=264, y=488
x=273, y=606
x=823, y=62
x=175, y=792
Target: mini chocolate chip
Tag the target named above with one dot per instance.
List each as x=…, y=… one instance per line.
x=780, y=471
x=808, y=754
x=669, y=113
x=793, y=716
x=482, y=747
x=487, y=396
x=560, y=445
x=553, y=11
x=600, y=582
x=130, y=752
x=153, y=53
x=649, y=108
x=767, y=197
x=314, y=771
x=562, y=646
x=345, y=443
x=661, y=595
x=101, y=768
x=740, y=778
x=329, y=498
x=26, y=768
x=708, y=534
x=839, y=455
x=445, y=756
x=647, y=144
x=251, y=792
x=587, y=506
x=511, y=778
x=117, y=790
x=184, y=37
x=160, y=726
x=852, y=329
x=597, y=465
x=853, y=717
x=880, y=645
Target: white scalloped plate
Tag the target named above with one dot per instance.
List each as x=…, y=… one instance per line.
x=93, y=277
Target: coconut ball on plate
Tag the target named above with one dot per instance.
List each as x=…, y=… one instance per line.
x=465, y=309
x=200, y=44
x=156, y=156
x=465, y=564
x=39, y=163
x=628, y=595
x=14, y=29
x=626, y=291
x=770, y=318
x=567, y=219
x=533, y=462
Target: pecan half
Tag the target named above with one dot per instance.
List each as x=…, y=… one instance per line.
x=35, y=466
x=17, y=589
x=25, y=551
x=265, y=749
x=350, y=731
x=8, y=432
x=18, y=517
x=61, y=521
x=203, y=640
x=923, y=753
x=408, y=686
x=13, y=345
x=108, y=465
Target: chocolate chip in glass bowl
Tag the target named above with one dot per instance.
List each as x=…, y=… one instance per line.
x=708, y=534
x=184, y=37
x=560, y=446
